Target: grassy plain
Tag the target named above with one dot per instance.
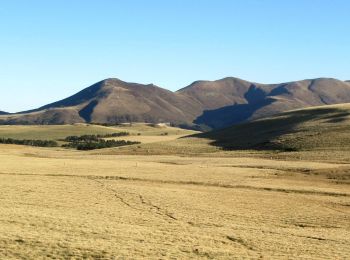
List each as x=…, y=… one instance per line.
x=56, y=132
x=169, y=198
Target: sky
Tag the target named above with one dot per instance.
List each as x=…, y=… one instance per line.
x=50, y=50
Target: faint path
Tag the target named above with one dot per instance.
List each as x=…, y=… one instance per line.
x=151, y=207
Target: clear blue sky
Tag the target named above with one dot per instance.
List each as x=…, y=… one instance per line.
x=50, y=49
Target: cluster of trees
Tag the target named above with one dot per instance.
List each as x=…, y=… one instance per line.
x=92, y=138
x=84, y=142
x=112, y=124
x=113, y=135
x=99, y=144
x=41, y=143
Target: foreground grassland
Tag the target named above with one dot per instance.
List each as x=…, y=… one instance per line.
x=170, y=198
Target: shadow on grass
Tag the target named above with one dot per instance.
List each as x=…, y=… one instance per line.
x=265, y=134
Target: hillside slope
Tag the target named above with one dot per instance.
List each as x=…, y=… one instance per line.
x=3, y=113
x=317, y=128
x=216, y=104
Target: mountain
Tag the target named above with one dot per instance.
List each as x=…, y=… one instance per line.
x=316, y=128
x=113, y=101
x=216, y=104
x=3, y=113
x=231, y=101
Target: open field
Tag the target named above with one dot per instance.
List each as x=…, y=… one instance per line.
x=170, y=199
x=56, y=132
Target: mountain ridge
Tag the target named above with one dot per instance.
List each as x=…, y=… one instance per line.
x=214, y=104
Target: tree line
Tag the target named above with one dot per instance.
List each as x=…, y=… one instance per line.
x=83, y=142
x=91, y=138
x=99, y=144
x=91, y=142
x=40, y=143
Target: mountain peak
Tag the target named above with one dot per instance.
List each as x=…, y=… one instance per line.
x=213, y=83
x=117, y=83
x=232, y=79
x=112, y=80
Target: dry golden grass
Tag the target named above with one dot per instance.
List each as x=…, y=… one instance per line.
x=187, y=200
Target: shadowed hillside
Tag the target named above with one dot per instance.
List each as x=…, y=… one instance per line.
x=240, y=101
x=3, y=113
x=209, y=104
x=317, y=128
